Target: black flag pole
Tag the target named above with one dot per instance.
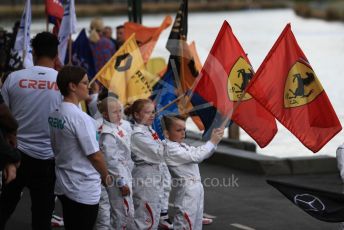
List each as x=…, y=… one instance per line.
x=135, y=11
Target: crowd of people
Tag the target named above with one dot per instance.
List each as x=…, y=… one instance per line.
x=108, y=167
x=102, y=44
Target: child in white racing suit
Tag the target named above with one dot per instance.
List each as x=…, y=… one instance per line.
x=182, y=161
x=147, y=153
x=114, y=142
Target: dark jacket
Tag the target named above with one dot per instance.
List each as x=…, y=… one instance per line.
x=8, y=126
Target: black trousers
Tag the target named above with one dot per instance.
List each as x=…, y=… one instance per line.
x=77, y=215
x=39, y=177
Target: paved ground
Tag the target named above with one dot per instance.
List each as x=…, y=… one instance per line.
x=249, y=203
x=256, y=205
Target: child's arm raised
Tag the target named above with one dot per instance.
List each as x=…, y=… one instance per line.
x=180, y=153
x=216, y=135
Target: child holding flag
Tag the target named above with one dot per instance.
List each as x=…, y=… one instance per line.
x=147, y=154
x=182, y=161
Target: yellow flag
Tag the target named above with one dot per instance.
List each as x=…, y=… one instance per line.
x=125, y=74
x=156, y=65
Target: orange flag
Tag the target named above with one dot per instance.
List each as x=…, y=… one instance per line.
x=146, y=37
x=194, y=54
x=224, y=78
x=286, y=85
x=189, y=70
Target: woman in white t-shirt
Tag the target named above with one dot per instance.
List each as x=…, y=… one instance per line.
x=77, y=157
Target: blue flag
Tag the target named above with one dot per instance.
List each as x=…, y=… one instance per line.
x=82, y=54
x=209, y=115
x=165, y=92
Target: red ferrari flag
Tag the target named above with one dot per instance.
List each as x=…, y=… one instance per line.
x=287, y=86
x=224, y=78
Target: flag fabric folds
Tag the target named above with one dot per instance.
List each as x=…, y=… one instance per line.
x=165, y=91
x=146, y=37
x=190, y=70
x=22, y=43
x=210, y=117
x=125, y=74
x=54, y=12
x=185, y=62
x=82, y=54
x=194, y=55
x=156, y=65
x=322, y=205
x=286, y=85
x=177, y=46
x=179, y=29
x=68, y=27
x=223, y=81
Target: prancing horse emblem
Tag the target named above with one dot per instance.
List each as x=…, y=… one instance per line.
x=302, y=85
x=238, y=79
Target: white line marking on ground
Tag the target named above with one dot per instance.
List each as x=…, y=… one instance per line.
x=240, y=226
x=206, y=215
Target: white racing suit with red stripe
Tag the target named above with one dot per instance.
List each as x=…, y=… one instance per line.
x=182, y=161
x=115, y=143
x=166, y=184
x=147, y=154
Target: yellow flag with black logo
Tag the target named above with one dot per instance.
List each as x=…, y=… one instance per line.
x=125, y=74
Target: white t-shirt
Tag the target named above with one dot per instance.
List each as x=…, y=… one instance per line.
x=73, y=138
x=31, y=95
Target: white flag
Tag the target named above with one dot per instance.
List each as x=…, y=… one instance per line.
x=68, y=27
x=22, y=43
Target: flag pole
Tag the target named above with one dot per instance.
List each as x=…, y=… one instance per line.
x=109, y=61
x=24, y=55
x=203, y=106
x=191, y=91
x=181, y=67
x=70, y=50
x=171, y=103
x=177, y=76
x=199, y=107
x=47, y=24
